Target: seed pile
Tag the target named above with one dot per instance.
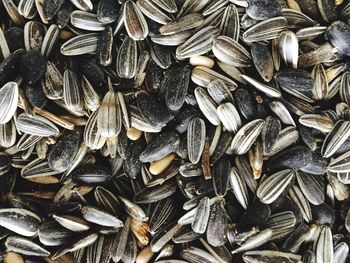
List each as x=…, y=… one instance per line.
x=174, y=131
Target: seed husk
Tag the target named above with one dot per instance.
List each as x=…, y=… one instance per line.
x=134, y=21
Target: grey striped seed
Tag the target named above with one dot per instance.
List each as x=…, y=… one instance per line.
x=199, y=44
x=86, y=21
x=202, y=76
x=184, y=23
x=273, y=186
x=127, y=59
x=8, y=101
x=36, y=125
x=246, y=136
x=231, y=52
x=134, y=21
x=154, y=12
x=289, y=48
x=25, y=246
x=266, y=30
x=196, y=133
x=109, y=119
x=207, y=106
x=79, y=45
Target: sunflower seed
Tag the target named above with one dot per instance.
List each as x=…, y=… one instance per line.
x=230, y=25
x=199, y=44
x=266, y=30
x=195, y=139
x=273, y=186
x=127, y=59
x=246, y=136
x=202, y=76
x=324, y=245
x=20, y=221
x=9, y=100
x=134, y=21
x=25, y=246
x=335, y=138
x=289, y=47
x=151, y=10
x=230, y=52
x=79, y=45
x=200, y=221
x=182, y=24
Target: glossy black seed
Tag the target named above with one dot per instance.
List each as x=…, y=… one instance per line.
x=63, y=151
x=317, y=166
x=32, y=67
x=175, y=85
x=162, y=145
x=183, y=118
x=255, y=215
x=338, y=34
x=35, y=96
x=151, y=110
x=245, y=103
x=295, y=79
x=323, y=214
x=9, y=67
x=154, y=75
x=91, y=175
x=220, y=175
x=14, y=38
x=263, y=9
x=107, y=11
x=295, y=158
x=92, y=72
x=132, y=163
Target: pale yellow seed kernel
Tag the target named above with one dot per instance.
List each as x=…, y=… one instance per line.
x=145, y=255
x=65, y=35
x=12, y=257
x=338, y=2
x=202, y=61
x=134, y=134
x=159, y=166
x=292, y=4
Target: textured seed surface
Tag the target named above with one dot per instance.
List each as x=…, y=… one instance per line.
x=174, y=131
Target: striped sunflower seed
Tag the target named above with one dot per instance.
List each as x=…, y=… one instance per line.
x=86, y=21
x=207, y=106
x=8, y=101
x=273, y=186
x=110, y=109
x=79, y=45
x=184, y=23
x=230, y=24
x=230, y=52
x=202, y=76
x=36, y=125
x=246, y=136
x=199, y=44
x=127, y=59
x=289, y=48
x=266, y=30
x=229, y=117
x=134, y=21
x=154, y=12
x=196, y=133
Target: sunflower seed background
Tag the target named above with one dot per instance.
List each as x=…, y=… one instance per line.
x=174, y=131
